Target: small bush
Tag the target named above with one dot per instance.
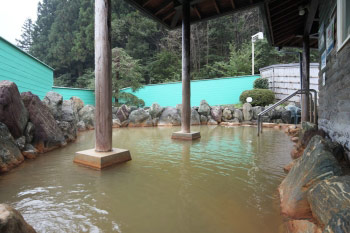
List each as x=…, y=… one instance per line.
x=261, y=97
x=131, y=100
x=261, y=83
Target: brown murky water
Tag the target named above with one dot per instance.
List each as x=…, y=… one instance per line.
x=225, y=182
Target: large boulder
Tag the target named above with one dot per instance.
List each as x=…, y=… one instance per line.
x=302, y=226
x=204, y=120
x=286, y=117
x=47, y=134
x=77, y=103
x=170, y=116
x=195, y=117
x=140, y=118
x=123, y=113
x=238, y=115
x=12, y=111
x=316, y=164
x=69, y=111
x=69, y=130
x=216, y=113
x=226, y=114
x=29, y=132
x=204, y=108
x=54, y=101
x=328, y=198
x=10, y=155
x=247, y=112
x=87, y=115
x=339, y=223
x=155, y=110
x=11, y=221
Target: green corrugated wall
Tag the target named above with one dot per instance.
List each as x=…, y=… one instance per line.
x=26, y=71
x=87, y=96
x=215, y=91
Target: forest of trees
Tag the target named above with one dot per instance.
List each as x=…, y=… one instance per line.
x=143, y=51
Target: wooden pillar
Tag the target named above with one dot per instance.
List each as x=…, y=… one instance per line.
x=305, y=107
x=103, y=76
x=186, y=85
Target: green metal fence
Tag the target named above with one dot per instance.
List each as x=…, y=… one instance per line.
x=86, y=95
x=215, y=91
x=26, y=71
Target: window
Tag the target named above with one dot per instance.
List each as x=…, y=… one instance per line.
x=343, y=22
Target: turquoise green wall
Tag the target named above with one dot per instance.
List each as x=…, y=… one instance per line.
x=215, y=91
x=26, y=71
x=87, y=96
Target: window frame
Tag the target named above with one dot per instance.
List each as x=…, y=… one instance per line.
x=340, y=24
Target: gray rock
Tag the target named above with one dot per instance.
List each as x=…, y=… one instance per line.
x=125, y=123
x=115, y=110
x=155, y=121
x=211, y=121
x=47, y=134
x=21, y=142
x=123, y=113
x=116, y=123
x=29, y=152
x=316, y=164
x=286, y=117
x=247, y=112
x=140, y=118
x=170, y=116
x=226, y=114
x=69, y=112
x=216, y=113
x=10, y=155
x=133, y=108
x=204, y=120
x=195, y=117
x=155, y=110
x=204, y=108
x=256, y=111
x=81, y=126
x=329, y=197
x=339, y=223
x=87, y=115
x=69, y=130
x=179, y=108
x=238, y=115
x=195, y=108
x=11, y=221
x=54, y=101
x=114, y=116
x=77, y=103
x=12, y=111
x=29, y=132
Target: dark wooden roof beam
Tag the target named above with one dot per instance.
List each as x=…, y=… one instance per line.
x=197, y=12
x=233, y=4
x=285, y=9
x=169, y=16
x=216, y=6
x=285, y=23
x=146, y=3
x=311, y=16
x=163, y=6
x=176, y=17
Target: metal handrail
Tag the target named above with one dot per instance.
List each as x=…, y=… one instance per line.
x=302, y=91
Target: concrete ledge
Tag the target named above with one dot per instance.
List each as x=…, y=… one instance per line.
x=185, y=136
x=99, y=160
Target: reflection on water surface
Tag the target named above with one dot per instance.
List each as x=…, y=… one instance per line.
x=225, y=182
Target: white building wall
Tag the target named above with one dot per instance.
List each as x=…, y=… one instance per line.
x=284, y=79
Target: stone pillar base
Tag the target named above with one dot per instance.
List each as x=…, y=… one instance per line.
x=99, y=160
x=186, y=136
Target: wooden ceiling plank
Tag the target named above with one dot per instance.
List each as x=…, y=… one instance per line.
x=284, y=9
x=162, y=7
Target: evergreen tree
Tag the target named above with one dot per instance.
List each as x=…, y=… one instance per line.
x=26, y=40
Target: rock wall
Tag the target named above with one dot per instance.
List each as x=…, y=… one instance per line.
x=315, y=195
x=334, y=98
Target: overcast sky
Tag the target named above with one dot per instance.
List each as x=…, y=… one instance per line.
x=13, y=13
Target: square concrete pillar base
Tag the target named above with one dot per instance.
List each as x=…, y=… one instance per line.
x=98, y=160
x=185, y=136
